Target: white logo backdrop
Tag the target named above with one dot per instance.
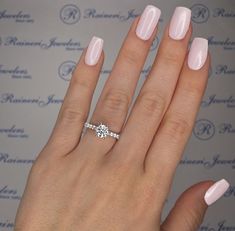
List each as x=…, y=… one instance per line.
x=40, y=43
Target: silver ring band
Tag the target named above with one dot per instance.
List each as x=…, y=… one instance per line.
x=102, y=131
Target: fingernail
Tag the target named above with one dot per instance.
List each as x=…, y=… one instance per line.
x=180, y=22
x=198, y=53
x=216, y=191
x=94, y=50
x=148, y=22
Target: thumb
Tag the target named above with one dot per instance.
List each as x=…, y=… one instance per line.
x=190, y=208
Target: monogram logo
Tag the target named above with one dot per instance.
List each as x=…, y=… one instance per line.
x=204, y=129
x=200, y=13
x=70, y=14
x=65, y=70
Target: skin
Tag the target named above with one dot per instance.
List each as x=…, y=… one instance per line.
x=88, y=183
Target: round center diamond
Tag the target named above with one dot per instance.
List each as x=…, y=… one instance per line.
x=102, y=131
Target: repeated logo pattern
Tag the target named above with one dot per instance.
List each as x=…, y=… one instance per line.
x=66, y=69
x=200, y=13
x=204, y=129
x=39, y=52
x=70, y=14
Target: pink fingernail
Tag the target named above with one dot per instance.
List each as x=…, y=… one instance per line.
x=148, y=22
x=94, y=51
x=198, y=53
x=180, y=22
x=216, y=191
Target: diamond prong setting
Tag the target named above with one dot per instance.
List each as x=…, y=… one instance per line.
x=101, y=130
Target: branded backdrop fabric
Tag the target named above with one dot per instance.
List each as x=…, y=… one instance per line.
x=40, y=43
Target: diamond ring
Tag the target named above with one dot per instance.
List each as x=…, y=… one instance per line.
x=102, y=131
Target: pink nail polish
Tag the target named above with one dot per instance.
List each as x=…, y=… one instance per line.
x=148, y=22
x=94, y=51
x=180, y=22
x=198, y=53
x=216, y=191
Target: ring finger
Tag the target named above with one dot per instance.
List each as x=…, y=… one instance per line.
x=115, y=99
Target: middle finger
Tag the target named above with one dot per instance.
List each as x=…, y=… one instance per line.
x=157, y=91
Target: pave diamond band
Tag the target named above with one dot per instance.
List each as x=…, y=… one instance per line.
x=102, y=131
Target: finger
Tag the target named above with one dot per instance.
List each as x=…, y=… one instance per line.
x=176, y=126
x=155, y=95
x=76, y=105
x=190, y=208
x=113, y=104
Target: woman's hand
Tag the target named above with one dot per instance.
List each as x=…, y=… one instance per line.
x=92, y=184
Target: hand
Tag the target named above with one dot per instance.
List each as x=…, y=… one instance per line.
x=85, y=183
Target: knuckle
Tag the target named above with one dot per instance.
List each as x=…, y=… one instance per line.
x=80, y=82
x=193, y=219
x=152, y=102
x=72, y=114
x=172, y=56
x=176, y=127
x=131, y=55
x=47, y=170
x=41, y=168
x=193, y=89
x=116, y=101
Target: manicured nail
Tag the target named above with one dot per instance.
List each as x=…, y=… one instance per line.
x=216, y=191
x=198, y=53
x=180, y=22
x=148, y=22
x=94, y=51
